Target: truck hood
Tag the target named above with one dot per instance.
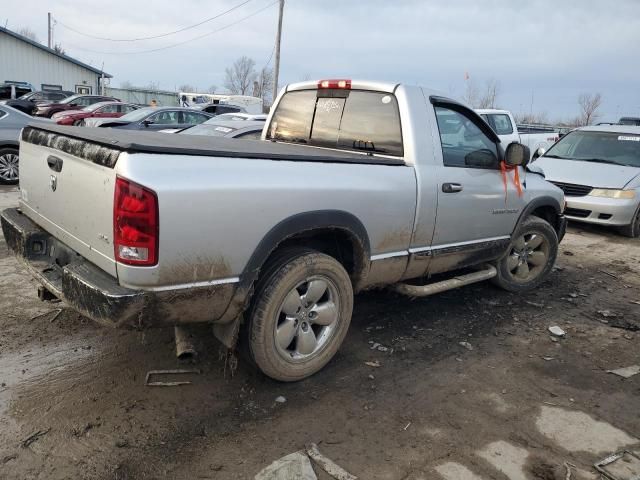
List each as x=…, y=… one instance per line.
x=599, y=175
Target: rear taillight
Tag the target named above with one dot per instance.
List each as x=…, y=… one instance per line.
x=135, y=224
x=344, y=84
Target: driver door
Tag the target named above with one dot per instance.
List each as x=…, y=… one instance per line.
x=474, y=216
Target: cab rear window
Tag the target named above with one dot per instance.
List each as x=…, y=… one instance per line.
x=345, y=119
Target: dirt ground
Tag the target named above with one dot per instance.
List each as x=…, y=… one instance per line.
x=520, y=404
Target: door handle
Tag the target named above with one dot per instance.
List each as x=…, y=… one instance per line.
x=54, y=163
x=451, y=187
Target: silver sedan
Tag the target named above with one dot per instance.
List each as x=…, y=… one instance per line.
x=11, y=123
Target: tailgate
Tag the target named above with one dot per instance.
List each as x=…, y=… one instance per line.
x=67, y=187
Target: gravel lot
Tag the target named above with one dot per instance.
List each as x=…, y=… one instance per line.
x=517, y=404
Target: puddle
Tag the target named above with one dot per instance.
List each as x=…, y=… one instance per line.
x=40, y=364
x=456, y=471
x=506, y=458
x=578, y=432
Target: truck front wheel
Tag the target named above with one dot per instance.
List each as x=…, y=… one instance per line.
x=531, y=256
x=300, y=315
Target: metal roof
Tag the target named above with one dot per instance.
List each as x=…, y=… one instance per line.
x=53, y=52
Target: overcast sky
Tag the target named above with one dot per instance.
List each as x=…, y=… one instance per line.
x=544, y=52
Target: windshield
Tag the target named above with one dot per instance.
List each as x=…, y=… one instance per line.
x=604, y=147
x=27, y=96
x=137, y=115
x=70, y=99
x=208, y=129
x=95, y=106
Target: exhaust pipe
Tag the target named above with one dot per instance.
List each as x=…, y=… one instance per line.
x=185, y=348
x=425, y=290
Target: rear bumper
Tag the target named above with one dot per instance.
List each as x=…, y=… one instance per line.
x=602, y=211
x=96, y=294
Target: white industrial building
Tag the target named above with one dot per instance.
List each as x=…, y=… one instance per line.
x=23, y=60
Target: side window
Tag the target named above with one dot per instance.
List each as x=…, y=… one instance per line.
x=126, y=108
x=164, y=118
x=463, y=143
x=3, y=113
x=502, y=124
x=191, y=118
x=108, y=109
x=86, y=101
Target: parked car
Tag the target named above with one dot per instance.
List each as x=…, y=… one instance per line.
x=598, y=168
x=12, y=90
x=11, y=122
x=634, y=121
x=242, y=116
x=533, y=136
x=153, y=119
x=107, y=110
x=73, y=102
x=217, y=127
x=220, y=108
x=281, y=233
x=27, y=103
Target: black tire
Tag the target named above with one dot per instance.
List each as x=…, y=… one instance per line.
x=633, y=229
x=513, y=275
x=9, y=156
x=288, y=275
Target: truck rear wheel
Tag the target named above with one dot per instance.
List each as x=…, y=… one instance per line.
x=531, y=256
x=300, y=315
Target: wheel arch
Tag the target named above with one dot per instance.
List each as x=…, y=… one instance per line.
x=335, y=232
x=10, y=144
x=547, y=208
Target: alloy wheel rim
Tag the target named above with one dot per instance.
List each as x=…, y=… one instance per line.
x=528, y=257
x=307, y=319
x=9, y=167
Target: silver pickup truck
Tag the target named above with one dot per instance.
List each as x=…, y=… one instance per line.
x=354, y=185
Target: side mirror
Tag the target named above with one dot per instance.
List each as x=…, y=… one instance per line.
x=483, y=158
x=538, y=153
x=517, y=155
x=146, y=123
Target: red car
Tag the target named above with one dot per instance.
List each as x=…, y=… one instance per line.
x=71, y=103
x=97, y=110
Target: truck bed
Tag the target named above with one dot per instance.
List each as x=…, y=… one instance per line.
x=74, y=140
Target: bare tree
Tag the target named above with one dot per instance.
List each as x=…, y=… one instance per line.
x=240, y=76
x=490, y=96
x=212, y=89
x=589, y=105
x=539, y=118
x=471, y=93
x=126, y=84
x=153, y=86
x=186, y=87
x=58, y=49
x=263, y=85
x=30, y=34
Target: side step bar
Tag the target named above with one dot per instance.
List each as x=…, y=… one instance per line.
x=488, y=272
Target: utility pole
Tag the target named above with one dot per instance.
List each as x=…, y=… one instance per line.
x=276, y=74
x=50, y=36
